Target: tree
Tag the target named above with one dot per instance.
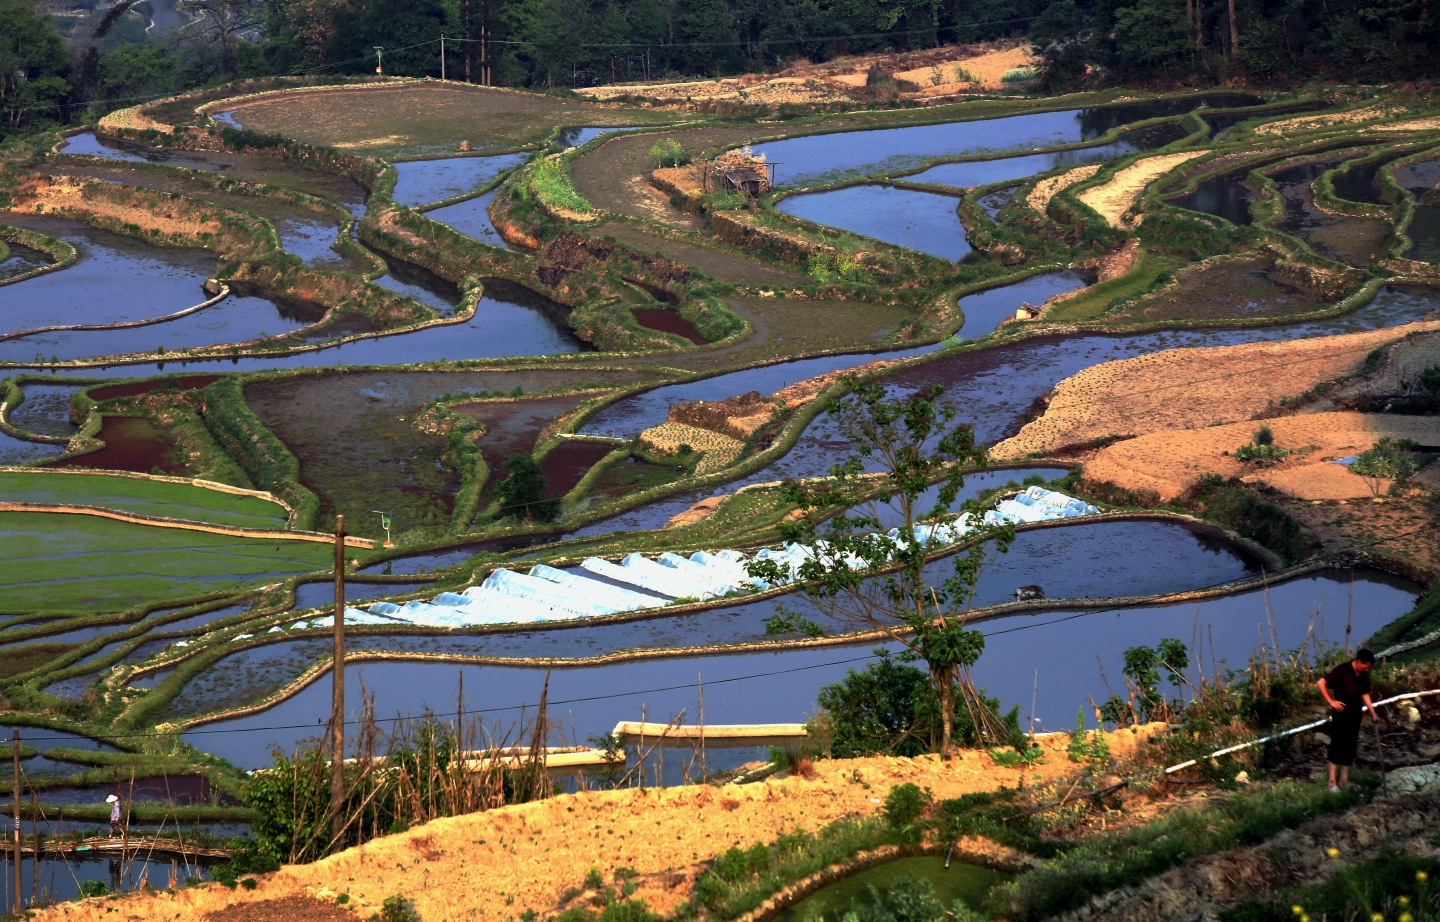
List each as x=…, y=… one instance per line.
x=711, y=42
x=522, y=494
x=856, y=576
x=1152, y=36
x=223, y=24
x=33, y=64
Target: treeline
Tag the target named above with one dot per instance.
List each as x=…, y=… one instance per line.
x=559, y=44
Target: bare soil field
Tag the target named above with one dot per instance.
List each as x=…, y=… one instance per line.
x=933, y=72
x=1403, y=526
x=1191, y=388
x=357, y=444
x=428, y=117
x=506, y=862
x=1114, y=198
x=1234, y=288
x=1168, y=462
x=259, y=170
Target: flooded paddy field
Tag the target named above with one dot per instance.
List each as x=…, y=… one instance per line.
x=509, y=321
x=780, y=687
x=921, y=221
x=985, y=310
x=46, y=410
x=422, y=285
x=131, y=444
x=720, y=265
x=21, y=451
x=471, y=218
x=1223, y=196
x=158, y=281
x=424, y=181
x=1420, y=179
x=831, y=156
x=1099, y=560
x=1232, y=288
x=359, y=448
x=244, y=167
x=20, y=259
x=667, y=321
x=1353, y=240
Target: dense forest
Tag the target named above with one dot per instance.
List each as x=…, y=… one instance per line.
x=113, y=60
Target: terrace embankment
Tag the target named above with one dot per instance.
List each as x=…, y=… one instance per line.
x=505, y=862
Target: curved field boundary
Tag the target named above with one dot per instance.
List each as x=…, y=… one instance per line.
x=162, y=522
x=149, y=321
x=318, y=669
x=63, y=253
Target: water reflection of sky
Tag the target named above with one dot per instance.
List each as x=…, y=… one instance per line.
x=780, y=687
x=422, y=181
x=919, y=220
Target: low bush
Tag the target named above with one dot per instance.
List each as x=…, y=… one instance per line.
x=668, y=153
x=1103, y=863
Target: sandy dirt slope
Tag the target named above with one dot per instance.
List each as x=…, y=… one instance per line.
x=1169, y=462
x=1115, y=197
x=499, y=864
x=1192, y=388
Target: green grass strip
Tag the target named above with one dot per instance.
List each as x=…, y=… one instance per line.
x=144, y=497
x=86, y=562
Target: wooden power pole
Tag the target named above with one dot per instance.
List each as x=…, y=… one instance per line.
x=337, y=705
x=19, y=902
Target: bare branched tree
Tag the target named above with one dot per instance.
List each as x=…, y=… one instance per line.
x=224, y=24
x=856, y=576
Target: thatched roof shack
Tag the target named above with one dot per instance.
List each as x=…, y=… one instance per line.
x=751, y=180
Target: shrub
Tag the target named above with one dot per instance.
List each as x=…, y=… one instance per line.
x=397, y=909
x=905, y=803
x=1388, y=458
x=1018, y=75
x=668, y=153
x=1430, y=381
x=594, y=880
x=1092, y=748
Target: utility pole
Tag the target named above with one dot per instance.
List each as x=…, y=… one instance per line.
x=379, y=63
x=19, y=902
x=442, y=55
x=337, y=705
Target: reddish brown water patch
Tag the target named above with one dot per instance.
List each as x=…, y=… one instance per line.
x=131, y=444
x=182, y=790
x=185, y=383
x=512, y=427
x=569, y=462
x=669, y=322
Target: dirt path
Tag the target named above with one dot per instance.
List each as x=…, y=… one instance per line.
x=498, y=865
x=1192, y=388
x=1114, y=198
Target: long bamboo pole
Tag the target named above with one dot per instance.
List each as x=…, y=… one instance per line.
x=337, y=705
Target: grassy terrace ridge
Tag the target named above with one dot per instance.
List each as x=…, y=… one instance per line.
x=73, y=562
x=146, y=496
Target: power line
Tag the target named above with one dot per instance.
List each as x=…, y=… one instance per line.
x=667, y=688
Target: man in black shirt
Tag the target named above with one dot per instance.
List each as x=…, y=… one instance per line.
x=1346, y=688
